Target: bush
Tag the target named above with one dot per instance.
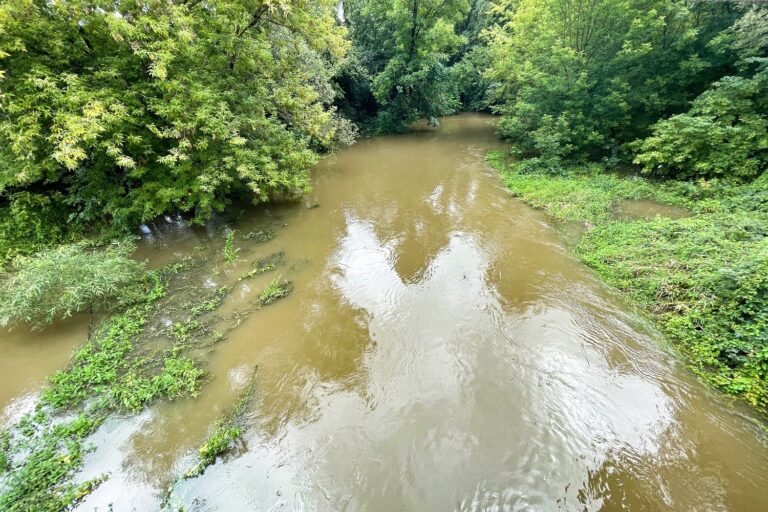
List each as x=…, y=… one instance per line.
x=57, y=283
x=725, y=134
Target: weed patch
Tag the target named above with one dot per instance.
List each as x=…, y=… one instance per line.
x=275, y=291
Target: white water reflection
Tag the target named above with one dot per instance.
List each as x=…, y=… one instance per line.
x=465, y=405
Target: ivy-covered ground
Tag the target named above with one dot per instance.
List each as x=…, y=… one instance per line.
x=703, y=277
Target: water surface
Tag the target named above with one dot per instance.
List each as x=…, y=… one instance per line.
x=442, y=350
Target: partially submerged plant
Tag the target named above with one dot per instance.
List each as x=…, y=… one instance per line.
x=212, y=303
x=260, y=235
x=230, y=251
x=226, y=431
x=57, y=283
x=264, y=265
x=275, y=291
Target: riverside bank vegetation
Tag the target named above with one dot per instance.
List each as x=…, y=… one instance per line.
x=113, y=113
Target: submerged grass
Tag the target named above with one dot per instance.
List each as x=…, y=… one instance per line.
x=275, y=291
x=704, y=278
x=260, y=235
x=111, y=373
x=264, y=265
x=226, y=432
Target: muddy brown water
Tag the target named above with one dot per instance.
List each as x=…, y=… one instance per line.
x=442, y=350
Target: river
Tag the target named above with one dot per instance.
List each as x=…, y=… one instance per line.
x=442, y=350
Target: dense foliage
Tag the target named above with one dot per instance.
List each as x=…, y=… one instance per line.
x=116, y=112
x=578, y=80
x=413, y=59
x=60, y=282
x=724, y=134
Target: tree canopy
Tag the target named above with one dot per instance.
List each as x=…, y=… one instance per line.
x=117, y=111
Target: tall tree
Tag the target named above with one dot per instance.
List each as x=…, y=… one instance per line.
x=725, y=132
x=116, y=111
x=581, y=77
x=405, y=47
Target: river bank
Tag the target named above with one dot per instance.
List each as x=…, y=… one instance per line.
x=702, y=275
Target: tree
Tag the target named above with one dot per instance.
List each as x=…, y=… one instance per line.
x=724, y=134
x=579, y=79
x=405, y=47
x=114, y=112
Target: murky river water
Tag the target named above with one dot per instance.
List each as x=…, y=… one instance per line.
x=441, y=351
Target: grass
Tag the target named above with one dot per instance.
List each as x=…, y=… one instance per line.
x=585, y=194
x=112, y=372
x=704, y=278
x=225, y=433
x=275, y=291
x=212, y=303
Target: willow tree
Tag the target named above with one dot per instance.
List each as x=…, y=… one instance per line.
x=116, y=111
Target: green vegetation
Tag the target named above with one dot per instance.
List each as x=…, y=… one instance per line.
x=5, y=447
x=260, y=235
x=275, y=291
x=578, y=81
x=724, y=134
x=264, y=265
x=59, y=282
x=226, y=432
x=230, y=252
x=583, y=193
x=115, y=114
x=211, y=303
x=704, y=278
x=412, y=60
x=42, y=482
